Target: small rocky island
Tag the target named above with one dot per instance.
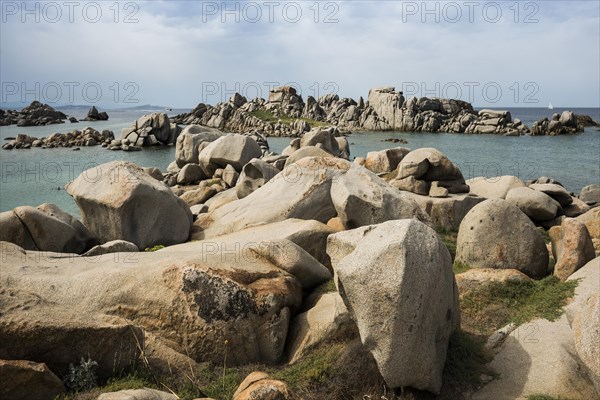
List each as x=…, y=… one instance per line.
x=243, y=274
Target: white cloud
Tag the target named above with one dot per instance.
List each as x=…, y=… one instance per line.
x=173, y=52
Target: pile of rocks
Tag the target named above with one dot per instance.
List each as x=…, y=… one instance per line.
x=86, y=137
x=563, y=124
x=35, y=114
x=151, y=130
x=94, y=115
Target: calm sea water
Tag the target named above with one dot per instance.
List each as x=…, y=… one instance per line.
x=35, y=176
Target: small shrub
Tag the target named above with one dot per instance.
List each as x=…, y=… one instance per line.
x=154, y=248
x=81, y=377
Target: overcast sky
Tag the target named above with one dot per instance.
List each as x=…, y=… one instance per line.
x=180, y=53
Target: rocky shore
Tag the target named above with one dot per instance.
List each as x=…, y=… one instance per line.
x=338, y=273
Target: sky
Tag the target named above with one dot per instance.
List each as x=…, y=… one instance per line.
x=180, y=53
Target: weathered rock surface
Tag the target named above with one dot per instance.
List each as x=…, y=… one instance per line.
x=385, y=160
x=590, y=194
x=151, y=129
x=362, y=198
x=327, y=320
x=591, y=219
x=195, y=301
x=496, y=234
x=289, y=257
x=583, y=314
x=259, y=386
x=536, y=205
x=447, y=213
x=45, y=228
x=476, y=277
x=27, y=380
x=538, y=359
x=557, y=192
x=572, y=247
x=118, y=200
x=114, y=246
x=138, y=394
x=190, y=173
x=253, y=176
x=191, y=141
x=234, y=150
x=494, y=188
x=397, y=281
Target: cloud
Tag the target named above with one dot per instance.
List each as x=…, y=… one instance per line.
x=179, y=51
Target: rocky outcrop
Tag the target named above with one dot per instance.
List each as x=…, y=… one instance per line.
x=118, y=200
x=45, y=228
x=396, y=279
x=563, y=124
x=86, y=137
x=94, y=115
x=114, y=246
x=151, y=130
x=35, y=114
x=590, y=195
x=385, y=160
x=496, y=234
x=234, y=150
x=424, y=168
x=494, y=188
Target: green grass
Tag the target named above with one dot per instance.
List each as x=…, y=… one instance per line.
x=284, y=119
x=518, y=302
x=459, y=267
x=449, y=238
x=543, y=397
x=326, y=287
x=466, y=360
x=154, y=248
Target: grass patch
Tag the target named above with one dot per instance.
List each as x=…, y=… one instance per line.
x=458, y=267
x=466, y=360
x=449, y=238
x=496, y=304
x=268, y=116
x=154, y=248
x=326, y=287
x=543, y=397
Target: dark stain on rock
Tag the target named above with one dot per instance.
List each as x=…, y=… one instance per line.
x=218, y=298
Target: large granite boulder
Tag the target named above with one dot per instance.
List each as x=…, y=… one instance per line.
x=45, y=228
x=535, y=204
x=494, y=188
x=554, y=190
x=253, y=176
x=191, y=141
x=590, y=194
x=396, y=279
x=572, y=247
x=496, y=234
x=150, y=129
x=362, y=198
x=235, y=150
x=118, y=200
x=385, y=160
x=204, y=304
x=260, y=386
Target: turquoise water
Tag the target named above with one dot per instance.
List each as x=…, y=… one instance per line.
x=35, y=176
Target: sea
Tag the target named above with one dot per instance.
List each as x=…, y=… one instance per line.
x=35, y=176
